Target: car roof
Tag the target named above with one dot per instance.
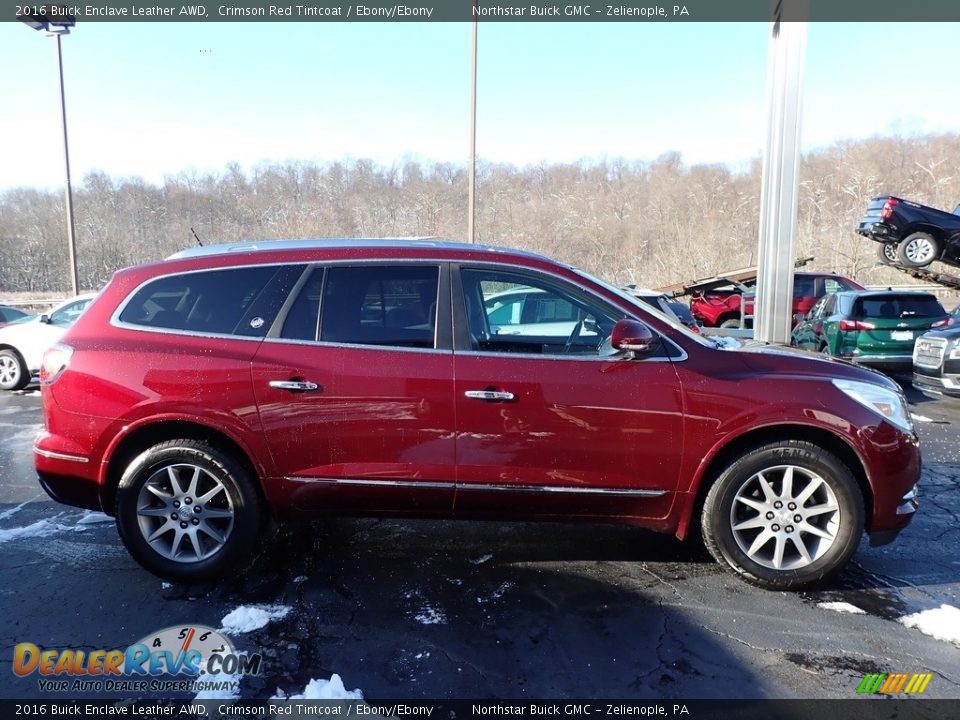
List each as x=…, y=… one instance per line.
x=885, y=293
x=422, y=243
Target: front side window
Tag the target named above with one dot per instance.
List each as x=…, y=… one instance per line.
x=516, y=313
x=211, y=301
x=380, y=305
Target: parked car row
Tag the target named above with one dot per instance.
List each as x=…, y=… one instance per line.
x=24, y=340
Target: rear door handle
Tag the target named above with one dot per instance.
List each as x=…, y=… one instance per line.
x=489, y=395
x=294, y=385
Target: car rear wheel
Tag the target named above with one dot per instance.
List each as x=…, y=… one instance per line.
x=887, y=253
x=14, y=374
x=918, y=250
x=784, y=516
x=187, y=511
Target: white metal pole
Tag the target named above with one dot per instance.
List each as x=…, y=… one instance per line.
x=68, y=191
x=472, y=177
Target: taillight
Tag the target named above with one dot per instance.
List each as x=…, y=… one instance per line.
x=55, y=361
x=888, y=207
x=942, y=323
x=849, y=325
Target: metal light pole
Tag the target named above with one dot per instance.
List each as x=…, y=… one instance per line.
x=472, y=177
x=56, y=28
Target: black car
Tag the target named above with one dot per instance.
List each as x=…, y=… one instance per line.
x=936, y=359
x=911, y=234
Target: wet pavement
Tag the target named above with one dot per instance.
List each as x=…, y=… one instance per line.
x=428, y=609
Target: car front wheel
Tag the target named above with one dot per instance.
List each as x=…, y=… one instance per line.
x=784, y=516
x=187, y=511
x=14, y=374
x=918, y=250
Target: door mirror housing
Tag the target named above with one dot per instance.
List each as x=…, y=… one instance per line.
x=45, y=319
x=632, y=335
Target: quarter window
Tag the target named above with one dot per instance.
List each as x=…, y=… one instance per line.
x=213, y=301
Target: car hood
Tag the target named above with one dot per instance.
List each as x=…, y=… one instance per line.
x=950, y=333
x=780, y=359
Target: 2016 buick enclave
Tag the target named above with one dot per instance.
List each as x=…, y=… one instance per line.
x=200, y=396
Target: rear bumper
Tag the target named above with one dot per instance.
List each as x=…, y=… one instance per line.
x=881, y=232
x=888, y=362
x=71, y=490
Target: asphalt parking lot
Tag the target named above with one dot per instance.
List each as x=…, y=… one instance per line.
x=423, y=609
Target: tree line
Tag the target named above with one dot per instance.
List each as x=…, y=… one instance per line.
x=650, y=223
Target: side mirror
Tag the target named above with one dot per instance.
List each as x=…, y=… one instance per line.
x=631, y=335
x=45, y=318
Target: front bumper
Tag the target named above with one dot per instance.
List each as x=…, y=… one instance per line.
x=937, y=384
x=905, y=511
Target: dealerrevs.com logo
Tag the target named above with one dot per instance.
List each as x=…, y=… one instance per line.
x=190, y=658
x=894, y=683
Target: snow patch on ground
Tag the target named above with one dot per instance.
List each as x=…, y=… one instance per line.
x=248, y=618
x=841, y=607
x=94, y=518
x=14, y=510
x=299, y=579
x=921, y=418
x=430, y=616
x=942, y=623
x=39, y=529
x=482, y=559
x=318, y=689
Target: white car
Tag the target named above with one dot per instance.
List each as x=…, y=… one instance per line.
x=23, y=342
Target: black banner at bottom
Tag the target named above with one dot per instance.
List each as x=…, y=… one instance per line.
x=859, y=708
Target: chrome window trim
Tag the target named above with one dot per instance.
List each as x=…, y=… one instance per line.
x=483, y=487
x=581, y=358
x=329, y=344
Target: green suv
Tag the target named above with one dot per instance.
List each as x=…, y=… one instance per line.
x=870, y=327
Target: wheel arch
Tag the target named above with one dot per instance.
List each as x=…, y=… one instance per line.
x=146, y=436
x=937, y=233
x=770, y=434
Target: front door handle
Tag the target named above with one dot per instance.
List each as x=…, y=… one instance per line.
x=294, y=385
x=489, y=395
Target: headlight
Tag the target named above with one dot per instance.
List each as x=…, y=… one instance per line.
x=884, y=402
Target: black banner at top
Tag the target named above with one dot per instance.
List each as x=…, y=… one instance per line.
x=636, y=11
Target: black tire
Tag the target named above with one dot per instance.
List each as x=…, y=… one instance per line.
x=729, y=323
x=887, y=253
x=14, y=374
x=918, y=250
x=186, y=560
x=721, y=518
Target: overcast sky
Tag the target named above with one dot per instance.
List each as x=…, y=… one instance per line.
x=156, y=99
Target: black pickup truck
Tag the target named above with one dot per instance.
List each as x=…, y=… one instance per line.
x=911, y=234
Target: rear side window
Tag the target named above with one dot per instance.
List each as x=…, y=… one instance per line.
x=899, y=306
x=212, y=301
x=380, y=305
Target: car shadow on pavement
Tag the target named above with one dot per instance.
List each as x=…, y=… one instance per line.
x=430, y=609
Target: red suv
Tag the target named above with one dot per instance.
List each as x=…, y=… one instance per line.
x=721, y=307
x=200, y=396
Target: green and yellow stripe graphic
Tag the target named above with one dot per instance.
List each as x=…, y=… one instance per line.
x=893, y=683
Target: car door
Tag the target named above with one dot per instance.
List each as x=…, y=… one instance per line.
x=354, y=386
x=552, y=423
